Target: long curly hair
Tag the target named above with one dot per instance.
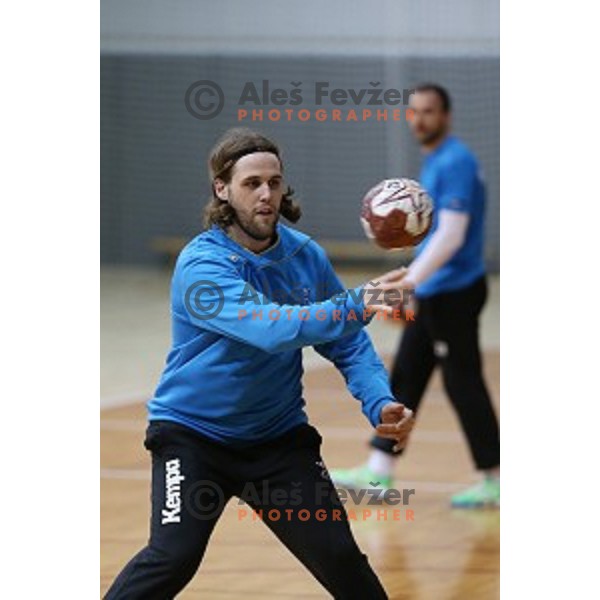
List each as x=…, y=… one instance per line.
x=234, y=144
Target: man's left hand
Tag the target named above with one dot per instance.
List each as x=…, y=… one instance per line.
x=397, y=422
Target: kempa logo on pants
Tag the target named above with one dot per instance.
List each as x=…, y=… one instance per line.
x=173, y=478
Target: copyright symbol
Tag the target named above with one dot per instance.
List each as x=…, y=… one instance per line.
x=200, y=309
x=204, y=99
x=204, y=500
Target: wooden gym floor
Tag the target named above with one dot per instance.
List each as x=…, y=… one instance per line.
x=442, y=554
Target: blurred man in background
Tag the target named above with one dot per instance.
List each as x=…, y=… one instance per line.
x=448, y=276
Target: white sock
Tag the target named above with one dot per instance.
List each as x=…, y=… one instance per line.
x=381, y=463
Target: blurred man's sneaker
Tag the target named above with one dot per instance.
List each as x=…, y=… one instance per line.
x=360, y=478
x=485, y=494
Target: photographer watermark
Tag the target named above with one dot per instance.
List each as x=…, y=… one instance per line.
x=205, y=500
x=204, y=99
x=205, y=299
x=318, y=101
x=320, y=514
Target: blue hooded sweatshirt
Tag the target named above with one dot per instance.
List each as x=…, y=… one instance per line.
x=239, y=323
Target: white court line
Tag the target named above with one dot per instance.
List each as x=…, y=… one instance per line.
x=311, y=362
x=421, y=435
x=118, y=400
x=433, y=487
x=122, y=424
x=141, y=397
x=127, y=474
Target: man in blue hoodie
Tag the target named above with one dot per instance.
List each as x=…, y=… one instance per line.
x=227, y=419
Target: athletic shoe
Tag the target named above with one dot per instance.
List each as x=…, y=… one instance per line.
x=482, y=495
x=360, y=478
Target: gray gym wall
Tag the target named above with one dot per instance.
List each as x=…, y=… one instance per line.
x=153, y=152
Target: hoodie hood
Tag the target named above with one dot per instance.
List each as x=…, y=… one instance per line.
x=289, y=242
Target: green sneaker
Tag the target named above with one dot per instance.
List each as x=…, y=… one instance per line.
x=360, y=478
x=482, y=495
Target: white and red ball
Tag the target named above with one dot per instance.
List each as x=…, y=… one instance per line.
x=396, y=213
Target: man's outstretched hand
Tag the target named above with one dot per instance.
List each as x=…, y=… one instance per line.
x=388, y=291
x=397, y=422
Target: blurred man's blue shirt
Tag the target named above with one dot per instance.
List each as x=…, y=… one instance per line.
x=451, y=176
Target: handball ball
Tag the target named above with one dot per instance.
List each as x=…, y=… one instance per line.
x=396, y=213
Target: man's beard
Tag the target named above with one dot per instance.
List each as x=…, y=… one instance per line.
x=251, y=228
x=432, y=136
